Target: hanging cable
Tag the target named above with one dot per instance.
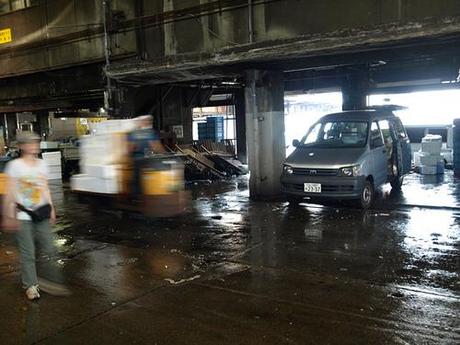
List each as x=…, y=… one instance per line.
x=212, y=32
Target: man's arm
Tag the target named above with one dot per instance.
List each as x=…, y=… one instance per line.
x=157, y=147
x=8, y=198
x=47, y=193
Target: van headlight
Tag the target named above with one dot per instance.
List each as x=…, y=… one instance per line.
x=352, y=171
x=288, y=169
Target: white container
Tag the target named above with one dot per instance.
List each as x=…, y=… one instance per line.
x=430, y=159
x=78, y=182
x=55, y=176
x=91, y=184
x=431, y=144
x=437, y=169
x=101, y=171
x=417, y=158
x=450, y=137
x=52, y=158
x=106, y=186
x=428, y=170
x=54, y=169
x=49, y=145
x=433, y=148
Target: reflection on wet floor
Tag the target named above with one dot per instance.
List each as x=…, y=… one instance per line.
x=308, y=274
x=439, y=191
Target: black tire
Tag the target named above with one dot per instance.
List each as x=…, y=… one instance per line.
x=367, y=195
x=294, y=200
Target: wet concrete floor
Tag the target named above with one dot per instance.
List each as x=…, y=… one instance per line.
x=233, y=271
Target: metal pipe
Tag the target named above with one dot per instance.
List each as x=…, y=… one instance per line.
x=7, y=136
x=250, y=22
x=106, y=12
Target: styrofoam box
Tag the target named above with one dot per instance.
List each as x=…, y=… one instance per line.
x=431, y=147
x=114, y=126
x=101, y=171
x=87, y=183
x=52, y=158
x=430, y=159
x=102, y=149
x=428, y=170
x=432, y=144
x=431, y=138
x=437, y=169
x=54, y=169
x=55, y=176
x=77, y=181
x=49, y=145
x=417, y=158
x=53, y=154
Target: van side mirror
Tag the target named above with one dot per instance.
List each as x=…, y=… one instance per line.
x=296, y=143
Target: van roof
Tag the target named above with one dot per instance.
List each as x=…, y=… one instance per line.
x=359, y=115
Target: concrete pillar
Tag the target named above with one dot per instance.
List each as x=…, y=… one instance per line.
x=355, y=88
x=169, y=33
x=259, y=23
x=264, y=94
x=240, y=114
x=207, y=44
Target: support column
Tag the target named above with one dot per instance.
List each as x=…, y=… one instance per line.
x=355, y=88
x=169, y=34
x=264, y=95
x=240, y=114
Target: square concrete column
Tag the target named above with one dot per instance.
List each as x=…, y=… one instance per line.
x=355, y=88
x=264, y=94
x=240, y=114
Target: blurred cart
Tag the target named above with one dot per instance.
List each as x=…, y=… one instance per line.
x=112, y=179
x=162, y=188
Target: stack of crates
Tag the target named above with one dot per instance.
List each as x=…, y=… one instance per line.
x=456, y=147
x=212, y=129
x=431, y=161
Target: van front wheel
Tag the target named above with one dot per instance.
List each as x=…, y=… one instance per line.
x=367, y=195
x=294, y=200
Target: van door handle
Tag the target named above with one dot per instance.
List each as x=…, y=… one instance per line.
x=384, y=151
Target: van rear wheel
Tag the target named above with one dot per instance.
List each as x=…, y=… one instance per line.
x=367, y=195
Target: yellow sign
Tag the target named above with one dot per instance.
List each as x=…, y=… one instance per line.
x=83, y=124
x=5, y=36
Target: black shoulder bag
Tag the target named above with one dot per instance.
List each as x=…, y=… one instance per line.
x=39, y=214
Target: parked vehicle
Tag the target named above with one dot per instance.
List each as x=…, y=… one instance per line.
x=348, y=155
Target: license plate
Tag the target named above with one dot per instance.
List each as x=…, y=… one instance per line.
x=312, y=188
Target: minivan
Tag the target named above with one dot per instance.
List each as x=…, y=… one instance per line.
x=348, y=155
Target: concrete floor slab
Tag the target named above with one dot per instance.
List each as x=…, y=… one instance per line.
x=233, y=271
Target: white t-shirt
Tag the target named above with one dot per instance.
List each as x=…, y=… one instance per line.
x=30, y=183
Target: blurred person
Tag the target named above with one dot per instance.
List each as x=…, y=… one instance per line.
x=28, y=211
x=142, y=141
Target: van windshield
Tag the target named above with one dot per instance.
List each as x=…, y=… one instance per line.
x=337, y=134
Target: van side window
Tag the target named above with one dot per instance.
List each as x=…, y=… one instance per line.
x=313, y=135
x=399, y=129
x=386, y=132
x=376, y=136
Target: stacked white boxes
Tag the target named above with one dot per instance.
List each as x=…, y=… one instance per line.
x=100, y=156
x=53, y=164
x=431, y=160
